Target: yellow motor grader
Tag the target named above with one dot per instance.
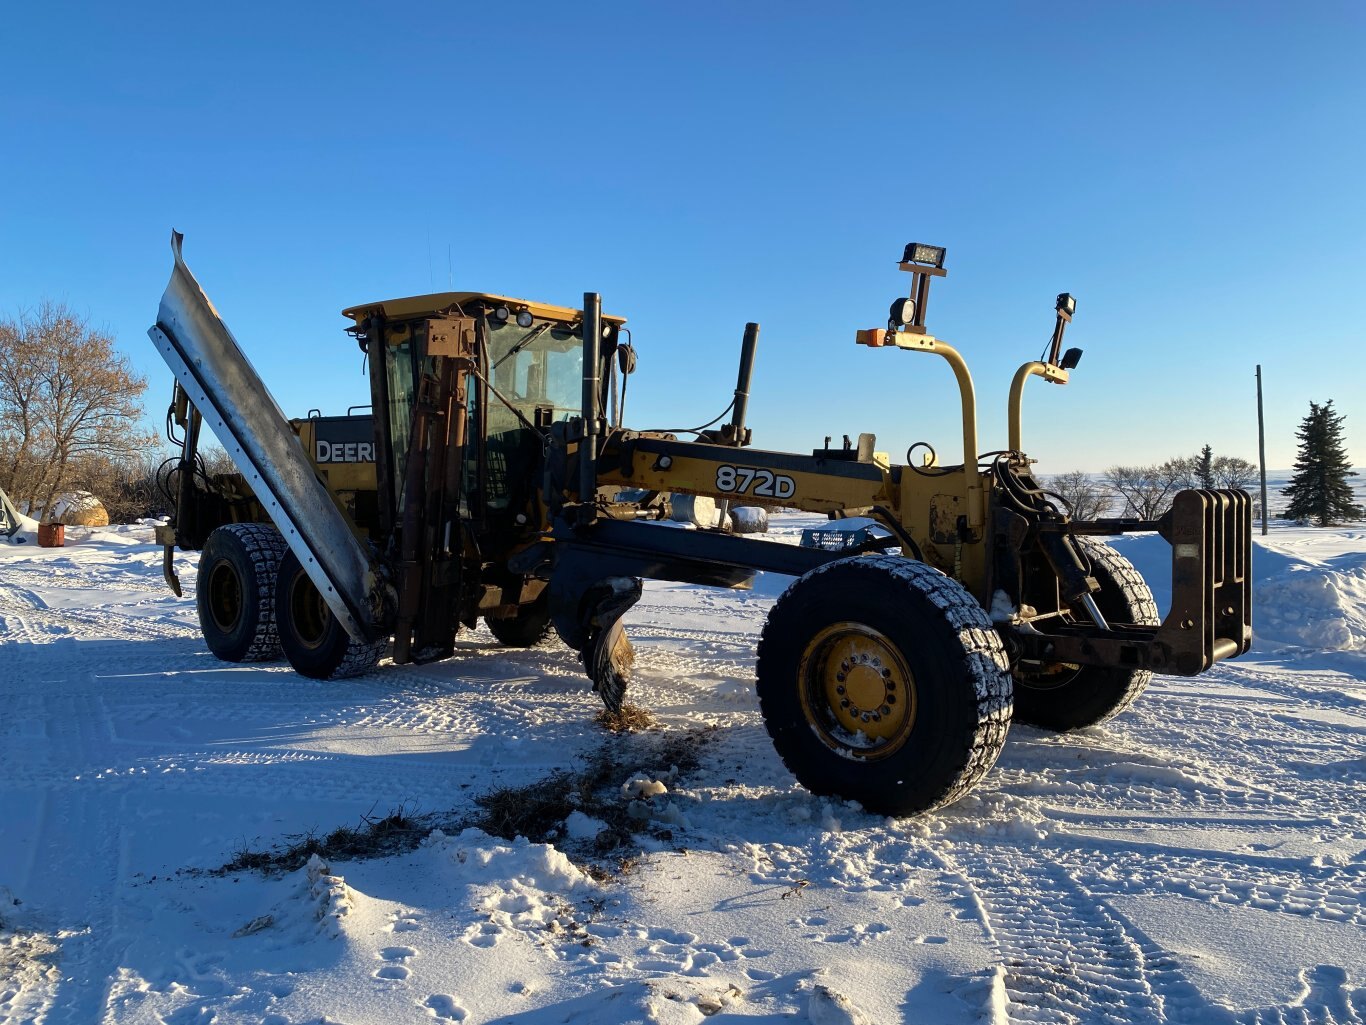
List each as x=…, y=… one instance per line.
x=486, y=480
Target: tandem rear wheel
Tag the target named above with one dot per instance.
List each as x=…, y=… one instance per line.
x=531, y=627
x=882, y=680
x=312, y=638
x=235, y=591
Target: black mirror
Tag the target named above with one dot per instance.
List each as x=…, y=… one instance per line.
x=1070, y=359
x=626, y=358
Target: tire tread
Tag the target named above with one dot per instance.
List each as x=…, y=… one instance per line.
x=984, y=659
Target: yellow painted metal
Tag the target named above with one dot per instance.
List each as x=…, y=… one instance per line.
x=419, y=305
x=815, y=491
x=339, y=476
x=916, y=342
x=1049, y=372
x=856, y=691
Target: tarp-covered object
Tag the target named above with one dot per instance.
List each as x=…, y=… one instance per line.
x=78, y=509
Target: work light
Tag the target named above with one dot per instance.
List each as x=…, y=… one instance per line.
x=918, y=252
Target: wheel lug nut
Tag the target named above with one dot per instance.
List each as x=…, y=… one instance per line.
x=891, y=699
x=839, y=689
x=867, y=717
x=886, y=674
x=839, y=677
x=886, y=710
x=844, y=703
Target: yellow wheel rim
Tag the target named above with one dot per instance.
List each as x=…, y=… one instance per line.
x=857, y=692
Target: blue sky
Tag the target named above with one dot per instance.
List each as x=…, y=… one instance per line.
x=1191, y=172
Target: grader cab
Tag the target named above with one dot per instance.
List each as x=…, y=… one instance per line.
x=887, y=673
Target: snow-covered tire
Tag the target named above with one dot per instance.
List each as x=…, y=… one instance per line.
x=882, y=680
x=530, y=629
x=1061, y=699
x=235, y=592
x=311, y=637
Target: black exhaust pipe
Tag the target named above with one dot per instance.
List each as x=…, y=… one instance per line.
x=592, y=414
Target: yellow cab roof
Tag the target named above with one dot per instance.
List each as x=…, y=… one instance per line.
x=399, y=309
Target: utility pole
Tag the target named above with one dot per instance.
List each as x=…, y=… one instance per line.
x=1261, y=445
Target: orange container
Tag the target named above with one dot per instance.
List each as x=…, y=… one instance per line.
x=51, y=535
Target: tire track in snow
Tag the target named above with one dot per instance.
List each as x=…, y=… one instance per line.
x=85, y=914
x=1067, y=957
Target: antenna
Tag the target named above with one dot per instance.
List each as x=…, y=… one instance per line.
x=431, y=281
x=450, y=269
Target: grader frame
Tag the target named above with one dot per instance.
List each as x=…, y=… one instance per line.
x=887, y=673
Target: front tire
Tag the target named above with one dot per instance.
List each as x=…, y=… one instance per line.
x=235, y=591
x=1058, y=698
x=311, y=637
x=881, y=680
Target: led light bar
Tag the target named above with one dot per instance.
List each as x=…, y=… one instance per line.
x=918, y=252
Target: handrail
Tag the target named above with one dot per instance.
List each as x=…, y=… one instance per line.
x=1049, y=372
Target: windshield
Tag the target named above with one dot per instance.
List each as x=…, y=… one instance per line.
x=538, y=374
x=540, y=367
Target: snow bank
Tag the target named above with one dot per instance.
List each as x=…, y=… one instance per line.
x=1314, y=605
x=475, y=857
x=25, y=533
x=1308, y=600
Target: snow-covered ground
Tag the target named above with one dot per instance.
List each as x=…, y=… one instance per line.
x=1200, y=859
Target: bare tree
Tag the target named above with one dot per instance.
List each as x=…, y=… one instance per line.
x=1148, y=490
x=1184, y=471
x=66, y=396
x=1232, y=472
x=1087, y=499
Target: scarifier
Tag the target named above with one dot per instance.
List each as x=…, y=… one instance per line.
x=493, y=477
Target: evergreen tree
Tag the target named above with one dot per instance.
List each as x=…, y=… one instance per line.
x=1204, y=468
x=1319, y=490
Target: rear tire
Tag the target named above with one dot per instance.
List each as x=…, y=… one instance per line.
x=312, y=638
x=881, y=680
x=235, y=592
x=530, y=629
x=1060, y=699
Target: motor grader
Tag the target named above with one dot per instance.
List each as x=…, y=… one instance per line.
x=485, y=481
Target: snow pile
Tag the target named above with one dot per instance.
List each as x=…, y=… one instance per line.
x=474, y=857
x=1314, y=605
x=25, y=531
x=329, y=893
x=829, y=1007
x=1308, y=585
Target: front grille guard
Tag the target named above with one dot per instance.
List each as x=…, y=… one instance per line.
x=1211, y=612
x=1210, y=618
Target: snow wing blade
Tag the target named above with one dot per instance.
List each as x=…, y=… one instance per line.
x=224, y=387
